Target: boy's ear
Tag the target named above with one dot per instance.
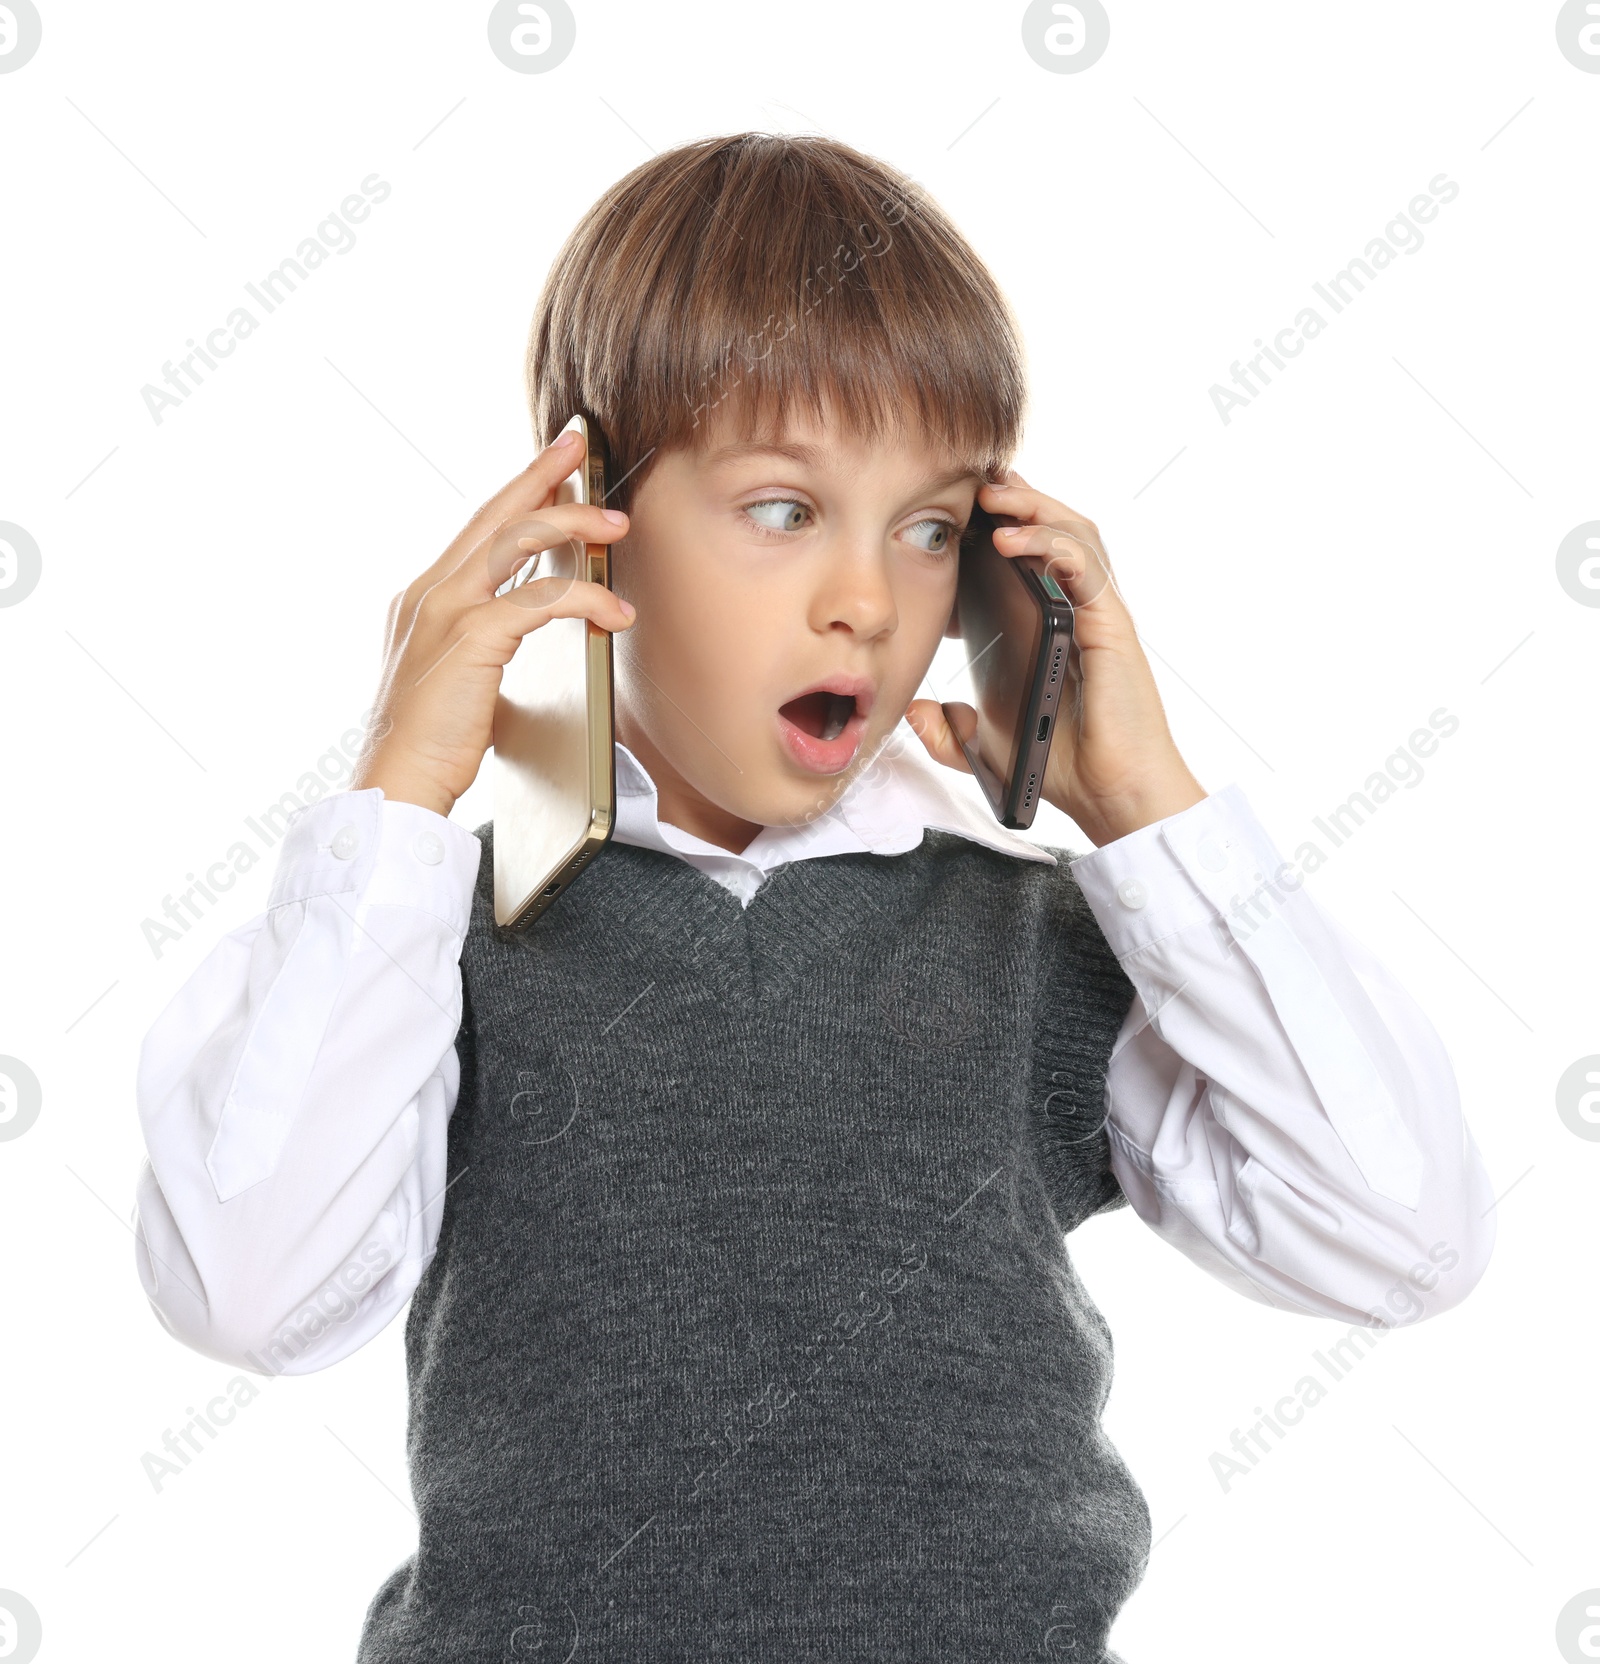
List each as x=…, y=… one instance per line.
x=953, y=628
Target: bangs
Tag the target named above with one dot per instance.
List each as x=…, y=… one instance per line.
x=722, y=288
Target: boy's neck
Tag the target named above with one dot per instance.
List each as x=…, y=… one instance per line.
x=735, y=842
x=679, y=804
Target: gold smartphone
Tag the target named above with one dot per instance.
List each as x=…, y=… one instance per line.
x=555, y=780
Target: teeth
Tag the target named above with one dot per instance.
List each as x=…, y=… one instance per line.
x=841, y=707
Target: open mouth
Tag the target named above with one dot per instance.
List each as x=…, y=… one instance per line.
x=821, y=714
x=822, y=727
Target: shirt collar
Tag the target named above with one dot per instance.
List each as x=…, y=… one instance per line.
x=884, y=811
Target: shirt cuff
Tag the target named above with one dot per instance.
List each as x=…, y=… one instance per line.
x=1187, y=869
x=383, y=852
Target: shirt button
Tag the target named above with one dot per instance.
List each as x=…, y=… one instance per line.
x=1212, y=858
x=1131, y=893
x=429, y=847
x=346, y=841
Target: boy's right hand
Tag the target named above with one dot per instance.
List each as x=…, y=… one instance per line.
x=449, y=635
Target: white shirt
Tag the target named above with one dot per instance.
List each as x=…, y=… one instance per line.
x=1279, y=1108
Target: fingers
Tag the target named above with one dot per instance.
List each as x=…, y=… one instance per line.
x=563, y=527
x=536, y=602
x=931, y=723
x=523, y=493
x=1015, y=497
x=529, y=490
x=1071, y=546
x=1076, y=563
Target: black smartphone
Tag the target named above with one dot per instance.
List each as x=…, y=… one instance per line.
x=1016, y=624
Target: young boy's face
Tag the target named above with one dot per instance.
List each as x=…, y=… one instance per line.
x=757, y=575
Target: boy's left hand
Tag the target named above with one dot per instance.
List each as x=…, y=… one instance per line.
x=1113, y=765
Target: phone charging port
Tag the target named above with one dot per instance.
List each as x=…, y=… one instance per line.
x=1044, y=726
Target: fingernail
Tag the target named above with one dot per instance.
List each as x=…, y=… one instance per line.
x=564, y=441
x=629, y=608
x=1017, y=531
x=614, y=515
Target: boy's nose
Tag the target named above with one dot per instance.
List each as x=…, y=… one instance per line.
x=855, y=590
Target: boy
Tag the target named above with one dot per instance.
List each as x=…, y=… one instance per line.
x=732, y=1213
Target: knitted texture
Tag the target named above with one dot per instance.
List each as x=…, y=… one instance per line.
x=751, y=1333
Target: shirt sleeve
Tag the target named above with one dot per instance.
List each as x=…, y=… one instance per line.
x=295, y=1094
x=1279, y=1107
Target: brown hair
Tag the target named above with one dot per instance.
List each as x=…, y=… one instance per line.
x=757, y=271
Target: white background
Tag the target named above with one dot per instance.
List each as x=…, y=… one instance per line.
x=1372, y=539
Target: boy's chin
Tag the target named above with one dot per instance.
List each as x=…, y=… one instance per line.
x=798, y=796
x=783, y=795
x=770, y=786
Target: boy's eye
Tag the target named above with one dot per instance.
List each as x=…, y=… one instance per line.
x=790, y=522
x=946, y=533
x=788, y=515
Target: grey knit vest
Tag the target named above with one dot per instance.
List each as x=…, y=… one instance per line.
x=752, y=1334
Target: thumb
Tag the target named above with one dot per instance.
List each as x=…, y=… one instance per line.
x=931, y=725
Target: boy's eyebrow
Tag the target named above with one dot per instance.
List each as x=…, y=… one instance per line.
x=813, y=456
